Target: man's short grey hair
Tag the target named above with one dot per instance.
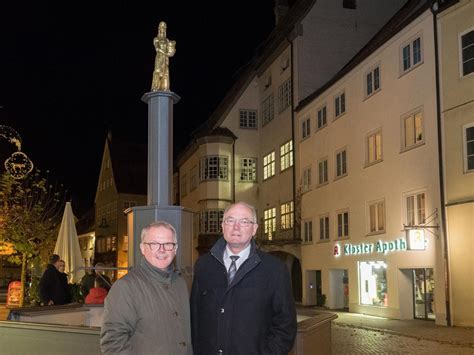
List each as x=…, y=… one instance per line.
x=157, y=224
x=252, y=209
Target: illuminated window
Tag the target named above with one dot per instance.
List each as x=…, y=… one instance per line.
x=284, y=95
x=248, y=169
x=374, y=148
x=413, y=130
x=286, y=155
x=343, y=224
x=467, y=52
x=267, y=110
x=269, y=222
x=324, y=227
x=377, y=217
x=248, y=119
x=340, y=105
x=411, y=54
x=214, y=168
x=210, y=221
x=287, y=215
x=268, y=165
x=373, y=283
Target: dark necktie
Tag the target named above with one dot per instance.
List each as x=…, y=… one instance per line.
x=232, y=269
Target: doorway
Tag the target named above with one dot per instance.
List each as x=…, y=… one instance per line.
x=423, y=294
x=338, y=289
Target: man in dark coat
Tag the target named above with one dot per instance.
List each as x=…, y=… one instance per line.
x=241, y=299
x=51, y=287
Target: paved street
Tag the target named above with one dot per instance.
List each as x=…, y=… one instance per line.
x=350, y=340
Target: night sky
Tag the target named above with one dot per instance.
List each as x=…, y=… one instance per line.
x=70, y=71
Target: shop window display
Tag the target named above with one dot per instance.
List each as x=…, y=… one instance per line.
x=373, y=283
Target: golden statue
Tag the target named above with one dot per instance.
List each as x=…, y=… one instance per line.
x=164, y=49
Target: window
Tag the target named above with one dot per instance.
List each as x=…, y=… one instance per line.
x=343, y=224
x=287, y=215
x=268, y=165
x=214, y=167
x=308, y=231
x=322, y=121
x=248, y=169
x=193, y=181
x=341, y=164
x=373, y=283
x=412, y=130
x=323, y=171
x=184, y=185
x=306, y=179
x=467, y=53
x=269, y=222
x=377, y=217
x=374, y=148
x=372, y=83
x=248, y=119
x=286, y=155
x=284, y=95
x=210, y=221
x=324, y=227
x=267, y=110
x=340, y=104
x=415, y=209
x=306, y=128
x=468, y=147
x=411, y=54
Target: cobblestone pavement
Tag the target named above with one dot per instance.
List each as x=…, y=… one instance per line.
x=350, y=340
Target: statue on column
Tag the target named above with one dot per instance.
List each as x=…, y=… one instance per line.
x=164, y=50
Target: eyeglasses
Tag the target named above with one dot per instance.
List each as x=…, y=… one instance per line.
x=155, y=246
x=230, y=221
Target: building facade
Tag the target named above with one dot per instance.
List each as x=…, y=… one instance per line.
x=456, y=57
x=121, y=185
x=367, y=163
x=245, y=151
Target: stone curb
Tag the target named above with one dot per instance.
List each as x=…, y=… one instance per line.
x=419, y=337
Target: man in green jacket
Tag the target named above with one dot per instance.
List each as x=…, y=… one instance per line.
x=147, y=310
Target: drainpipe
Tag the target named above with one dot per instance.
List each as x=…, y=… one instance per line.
x=434, y=10
x=290, y=39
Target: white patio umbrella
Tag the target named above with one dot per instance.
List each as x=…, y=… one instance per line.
x=67, y=246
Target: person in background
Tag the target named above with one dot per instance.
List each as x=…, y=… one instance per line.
x=147, y=310
x=241, y=299
x=64, y=279
x=51, y=286
x=97, y=293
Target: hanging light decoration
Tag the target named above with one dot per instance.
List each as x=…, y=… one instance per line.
x=18, y=164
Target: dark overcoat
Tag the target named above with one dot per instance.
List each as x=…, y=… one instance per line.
x=253, y=315
x=53, y=286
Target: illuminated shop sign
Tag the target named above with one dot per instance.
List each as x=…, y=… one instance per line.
x=416, y=239
x=370, y=248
